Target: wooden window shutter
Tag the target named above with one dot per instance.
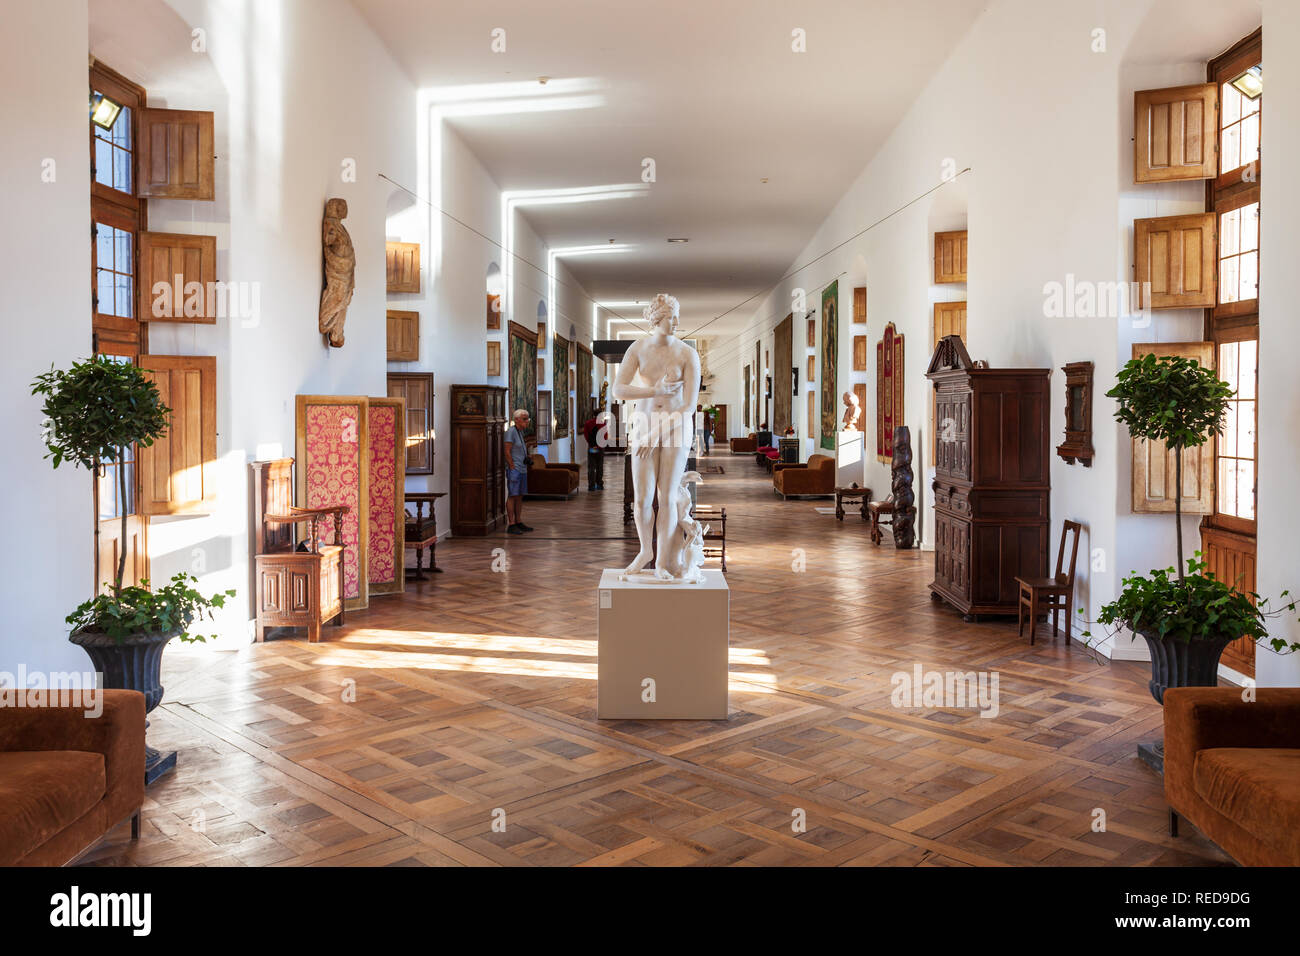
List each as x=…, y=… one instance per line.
x=403, y=336
x=1175, y=254
x=1175, y=133
x=949, y=319
x=175, y=155
x=164, y=257
x=177, y=475
x=403, y=265
x=1153, y=463
x=950, y=256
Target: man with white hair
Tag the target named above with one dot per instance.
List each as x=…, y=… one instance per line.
x=517, y=464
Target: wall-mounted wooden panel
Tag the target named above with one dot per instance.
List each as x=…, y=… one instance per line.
x=949, y=319
x=950, y=256
x=1176, y=255
x=174, y=157
x=859, y=353
x=403, y=336
x=403, y=266
x=170, y=264
x=1175, y=132
x=176, y=475
x=493, y=359
x=416, y=389
x=860, y=305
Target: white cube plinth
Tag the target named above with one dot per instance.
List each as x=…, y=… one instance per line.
x=672, y=634
x=850, y=463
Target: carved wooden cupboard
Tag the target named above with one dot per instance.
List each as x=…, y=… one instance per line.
x=992, y=483
x=478, y=465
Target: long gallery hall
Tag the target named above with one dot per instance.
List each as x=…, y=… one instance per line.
x=749, y=433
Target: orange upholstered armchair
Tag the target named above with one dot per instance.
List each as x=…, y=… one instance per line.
x=813, y=477
x=1232, y=768
x=745, y=446
x=552, y=479
x=66, y=778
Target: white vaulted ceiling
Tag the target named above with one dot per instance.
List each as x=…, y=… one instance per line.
x=710, y=89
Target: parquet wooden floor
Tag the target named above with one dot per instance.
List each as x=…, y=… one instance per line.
x=472, y=737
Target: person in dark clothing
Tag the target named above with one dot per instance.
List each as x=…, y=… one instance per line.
x=595, y=453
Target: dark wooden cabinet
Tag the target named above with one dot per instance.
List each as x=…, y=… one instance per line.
x=992, y=486
x=478, y=466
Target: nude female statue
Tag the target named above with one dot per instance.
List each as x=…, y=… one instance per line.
x=661, y=375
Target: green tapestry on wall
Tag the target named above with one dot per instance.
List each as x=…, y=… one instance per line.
x=560, y=385
x=830, y=360
x=523, y=374
x=582, y=386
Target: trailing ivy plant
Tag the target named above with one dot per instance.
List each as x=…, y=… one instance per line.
x=1194, y=607
x=95, y=411
x=1177, y=401
x=136, y=609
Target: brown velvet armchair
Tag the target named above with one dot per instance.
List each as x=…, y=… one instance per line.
x=815, y=477
x=1232, y=768
x=66, y=778
x=745, y=446
x=558, y=479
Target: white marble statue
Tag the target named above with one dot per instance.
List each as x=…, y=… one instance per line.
x=660, y=375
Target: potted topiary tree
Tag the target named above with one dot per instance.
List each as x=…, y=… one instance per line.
x=95, y=411
x=1186, y=616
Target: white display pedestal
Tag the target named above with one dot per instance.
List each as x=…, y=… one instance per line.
x=850, y=465
x=672, y=634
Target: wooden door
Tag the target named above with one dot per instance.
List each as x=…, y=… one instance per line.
x=720, y=424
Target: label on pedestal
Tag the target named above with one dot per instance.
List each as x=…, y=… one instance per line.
x=662, y=649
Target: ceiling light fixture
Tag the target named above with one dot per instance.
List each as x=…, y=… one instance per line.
x=543, y=80
x=104, y=110
x=1250, y=84
x=679, y=239
x=763, y=180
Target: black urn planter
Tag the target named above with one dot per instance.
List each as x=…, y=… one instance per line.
x=1178, y=663
x=134, y=663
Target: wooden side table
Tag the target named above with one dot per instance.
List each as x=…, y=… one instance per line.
x=852, y=493
x=877, y=509
x=422, y=532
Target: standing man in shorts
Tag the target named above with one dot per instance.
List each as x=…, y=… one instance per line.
x=516, y=472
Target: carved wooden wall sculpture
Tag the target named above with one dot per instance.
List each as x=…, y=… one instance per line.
x=340, y=272
x=889, y=391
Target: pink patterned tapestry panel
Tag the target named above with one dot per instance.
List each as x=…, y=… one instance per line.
x=383, y=494
x=334, y=478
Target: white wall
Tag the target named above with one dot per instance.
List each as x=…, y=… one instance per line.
x=45, y=290
x=1279, y=386
x=1045, y=125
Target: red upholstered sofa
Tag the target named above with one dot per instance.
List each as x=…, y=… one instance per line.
x=66, y=778
x=1232, y=768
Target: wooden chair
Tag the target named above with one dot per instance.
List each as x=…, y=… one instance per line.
x=1055, y=594
x=298, y=584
